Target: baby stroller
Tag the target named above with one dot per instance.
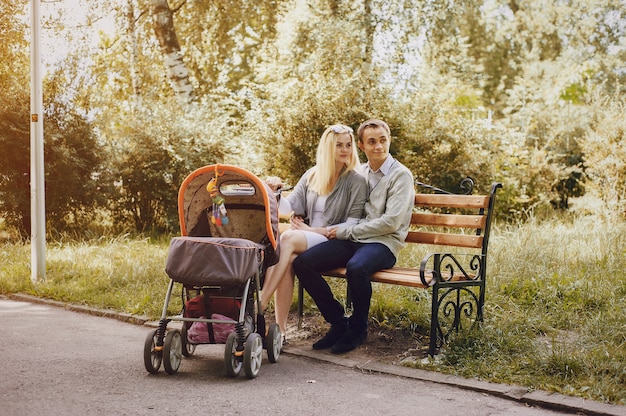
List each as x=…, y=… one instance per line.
x=229, y=237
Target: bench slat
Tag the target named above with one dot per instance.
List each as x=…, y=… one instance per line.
x=449, y=220
x=401, y=276
x=452, y=201
x=443, y=239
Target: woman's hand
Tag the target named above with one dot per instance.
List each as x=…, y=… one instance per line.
x=274, y=182
x=297, y=223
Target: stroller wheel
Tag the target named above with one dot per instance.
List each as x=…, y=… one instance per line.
x=188, y=348
x=274, y=343
x=232, y=362
x=172, y=351
x=151, y=357
x=253, y=355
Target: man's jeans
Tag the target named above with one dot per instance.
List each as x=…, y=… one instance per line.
x=361, y=261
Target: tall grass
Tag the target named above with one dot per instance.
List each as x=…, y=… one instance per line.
x=120, y=273
x=555, y=313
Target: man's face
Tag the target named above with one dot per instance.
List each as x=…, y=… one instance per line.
x=375, y=145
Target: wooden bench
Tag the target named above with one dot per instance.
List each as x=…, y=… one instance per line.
x=457, y=279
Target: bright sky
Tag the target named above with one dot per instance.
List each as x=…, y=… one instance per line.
x=67, y=19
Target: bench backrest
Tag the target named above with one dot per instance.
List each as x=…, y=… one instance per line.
x=453, y=220
x=460, y=220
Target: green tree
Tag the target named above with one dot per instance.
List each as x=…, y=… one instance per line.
x=71, y=161
x=71, y=153
x=336, y=76
x=605, y=149
x=530, y=64
x=177, y=72
x=312, y=76
x=148, y=160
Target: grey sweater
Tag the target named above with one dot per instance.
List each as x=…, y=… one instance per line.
x=387, y=210
x=345, y=201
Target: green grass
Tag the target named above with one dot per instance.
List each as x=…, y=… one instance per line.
x=555, y=314
x=123, y=274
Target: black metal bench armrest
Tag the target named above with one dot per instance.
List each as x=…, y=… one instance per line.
x=448, y=267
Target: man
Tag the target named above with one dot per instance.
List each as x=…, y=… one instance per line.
x=364, y=248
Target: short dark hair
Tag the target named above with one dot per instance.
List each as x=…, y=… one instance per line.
x=372, y=122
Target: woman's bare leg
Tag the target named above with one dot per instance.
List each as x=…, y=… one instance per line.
x=291, y=242
x=283, y=297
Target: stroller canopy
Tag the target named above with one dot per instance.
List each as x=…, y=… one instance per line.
x=248, y=205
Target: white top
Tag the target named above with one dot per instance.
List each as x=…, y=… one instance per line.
x=317, y=219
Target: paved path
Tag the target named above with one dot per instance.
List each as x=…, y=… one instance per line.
x=60, y=362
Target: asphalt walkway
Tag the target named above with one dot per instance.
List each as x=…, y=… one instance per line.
x=519, y=394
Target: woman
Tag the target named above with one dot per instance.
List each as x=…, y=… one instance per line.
x=329, y=193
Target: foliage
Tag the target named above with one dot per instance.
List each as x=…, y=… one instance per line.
x=306, y=88
x=14, y=183
x=224, y=54
x=293, y=135
x=337, y=92
x=605, y=146
x=71, y=156
x=523, y=93
x=14, y=129
x=151, y=159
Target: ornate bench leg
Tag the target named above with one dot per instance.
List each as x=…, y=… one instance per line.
x=434, y=322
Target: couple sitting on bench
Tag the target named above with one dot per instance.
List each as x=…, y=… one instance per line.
x=344, y=215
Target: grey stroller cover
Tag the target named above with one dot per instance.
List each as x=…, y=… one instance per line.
x=205, y=261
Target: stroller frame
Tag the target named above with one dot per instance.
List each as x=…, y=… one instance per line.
x=222, y=254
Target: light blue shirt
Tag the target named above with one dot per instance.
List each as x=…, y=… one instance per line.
x=374, y=176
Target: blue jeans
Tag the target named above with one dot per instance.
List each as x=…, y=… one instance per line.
x=361, y=261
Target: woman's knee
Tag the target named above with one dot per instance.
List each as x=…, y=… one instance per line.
x=285, y=236
x=293, y=241
x=289, y=238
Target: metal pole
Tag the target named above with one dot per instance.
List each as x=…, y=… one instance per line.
x=37, y=193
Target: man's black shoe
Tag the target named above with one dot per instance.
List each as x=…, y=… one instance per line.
x=332, y=336
x=350, y=340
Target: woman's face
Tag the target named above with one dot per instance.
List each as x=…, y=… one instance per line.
x=343, y=148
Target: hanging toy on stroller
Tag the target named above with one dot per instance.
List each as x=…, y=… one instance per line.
x=219, y=216
x=229, y=237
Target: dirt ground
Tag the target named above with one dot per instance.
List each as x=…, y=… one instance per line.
x=385, y=345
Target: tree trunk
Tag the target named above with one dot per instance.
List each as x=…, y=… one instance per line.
x=162, y=18
x=368, y=55
x=132, y=49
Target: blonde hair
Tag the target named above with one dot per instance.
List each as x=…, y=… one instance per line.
x=321, y=178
